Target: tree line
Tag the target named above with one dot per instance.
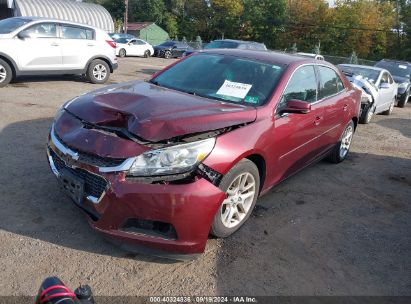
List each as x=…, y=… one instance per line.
x=374, y=29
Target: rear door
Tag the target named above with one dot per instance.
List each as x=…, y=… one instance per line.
x=297, y=135
x=78, y=46
x=334, y=99
x=41, y=50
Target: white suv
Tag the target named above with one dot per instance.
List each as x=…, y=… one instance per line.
x=38, y=46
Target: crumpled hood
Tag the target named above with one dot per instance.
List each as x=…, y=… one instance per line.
x=156, y=114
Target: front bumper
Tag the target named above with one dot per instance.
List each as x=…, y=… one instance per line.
x=113, y=202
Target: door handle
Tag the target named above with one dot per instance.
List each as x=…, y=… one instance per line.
x=345, y=108
x=317, y=120
x=90, y=44
x=55, y=44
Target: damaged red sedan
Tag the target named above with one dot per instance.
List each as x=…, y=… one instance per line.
x=160, y=165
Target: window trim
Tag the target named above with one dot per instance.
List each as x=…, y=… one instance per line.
x=40, y=23
x=75, y=26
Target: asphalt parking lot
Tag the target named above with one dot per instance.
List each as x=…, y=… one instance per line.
x=330, y=230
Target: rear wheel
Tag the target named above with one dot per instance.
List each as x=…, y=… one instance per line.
x=341, y=149
x=241, y=185
x=122, y=53
x=6, y=73
x=98, y=72
x=147, y=54
x=403, y=101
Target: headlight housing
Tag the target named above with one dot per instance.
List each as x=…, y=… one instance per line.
x=172, y=160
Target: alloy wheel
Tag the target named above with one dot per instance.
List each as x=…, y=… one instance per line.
x=346, y=141
x=240, y=197
x=3, y=73
x=100, y=72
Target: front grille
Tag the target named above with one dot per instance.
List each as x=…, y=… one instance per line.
x=92, y=159
x=94, y=185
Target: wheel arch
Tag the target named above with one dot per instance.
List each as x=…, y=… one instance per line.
x=104, y=58
x=260, y=163
x=11, y=63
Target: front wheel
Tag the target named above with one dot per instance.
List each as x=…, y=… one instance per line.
x=147, y=54
x=241, y=185
x=366, y=115
x=403, y=101
x=167, y=55
x=6, y=73
x=98, y=72
x=341, y=149
x=390, y=109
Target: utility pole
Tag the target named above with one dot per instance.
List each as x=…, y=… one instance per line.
x=398, y=31
x=125, y=15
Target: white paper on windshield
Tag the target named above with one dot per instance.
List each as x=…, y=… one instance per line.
x=404, y=67
x=234, y=89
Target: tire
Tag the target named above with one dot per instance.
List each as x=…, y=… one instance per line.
x=403, y=101
x=122, y=53
x=341, y=149
x=367, y=115
x=167, y=54
x=147, y=54
x=239, y=204
x=6, y=74
x=98, y=72
x=389, y=111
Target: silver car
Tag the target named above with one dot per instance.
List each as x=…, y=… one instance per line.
x=376, y=82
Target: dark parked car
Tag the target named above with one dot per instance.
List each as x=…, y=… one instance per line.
x=232, y=44
x=161, y=164
x=401, y=72
x=171, y=49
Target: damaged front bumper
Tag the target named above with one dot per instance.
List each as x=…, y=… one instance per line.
x=160, y=217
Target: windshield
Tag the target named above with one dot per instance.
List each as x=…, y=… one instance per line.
x=225, y=78
x=221, y=45
x=369, y=74
x=9, y=25
x=396, y=69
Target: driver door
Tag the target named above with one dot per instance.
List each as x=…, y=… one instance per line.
x=39, y=48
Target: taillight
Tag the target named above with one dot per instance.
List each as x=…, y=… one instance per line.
x=111, y=43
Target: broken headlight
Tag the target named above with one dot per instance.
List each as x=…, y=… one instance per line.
x=172, y=160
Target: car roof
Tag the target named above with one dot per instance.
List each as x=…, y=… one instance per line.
x=362, y=67
x=267, y=56
x=238, y=41
x=395, y=61
x=42, y=19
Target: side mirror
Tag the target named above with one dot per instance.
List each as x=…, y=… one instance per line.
x=384, y=85
x=23, y=35
x=297, y=106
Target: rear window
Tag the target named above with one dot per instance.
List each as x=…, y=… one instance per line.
x=222, y=45
x=9, y=25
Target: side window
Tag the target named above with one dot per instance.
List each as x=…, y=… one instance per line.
x=390, y=80
x=331, y=83
x=42, y=30
x=139, y=42
x=384, y=78
x=74, y=32
x=302, y=86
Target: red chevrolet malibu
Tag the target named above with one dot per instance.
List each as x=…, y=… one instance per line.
x=160, y=165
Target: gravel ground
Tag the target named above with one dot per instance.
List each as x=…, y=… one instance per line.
x=330, y=230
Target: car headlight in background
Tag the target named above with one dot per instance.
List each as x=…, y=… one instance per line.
x=172, y=160
x=403, y=85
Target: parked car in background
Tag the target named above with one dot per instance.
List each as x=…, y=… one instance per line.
x=38, y=46
x=401, y=72
x=385, y=89
x=311, y=55
x=162, y=163
x=117, y=36
x=133, y=47
x=171, y=49
x=232, y=44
